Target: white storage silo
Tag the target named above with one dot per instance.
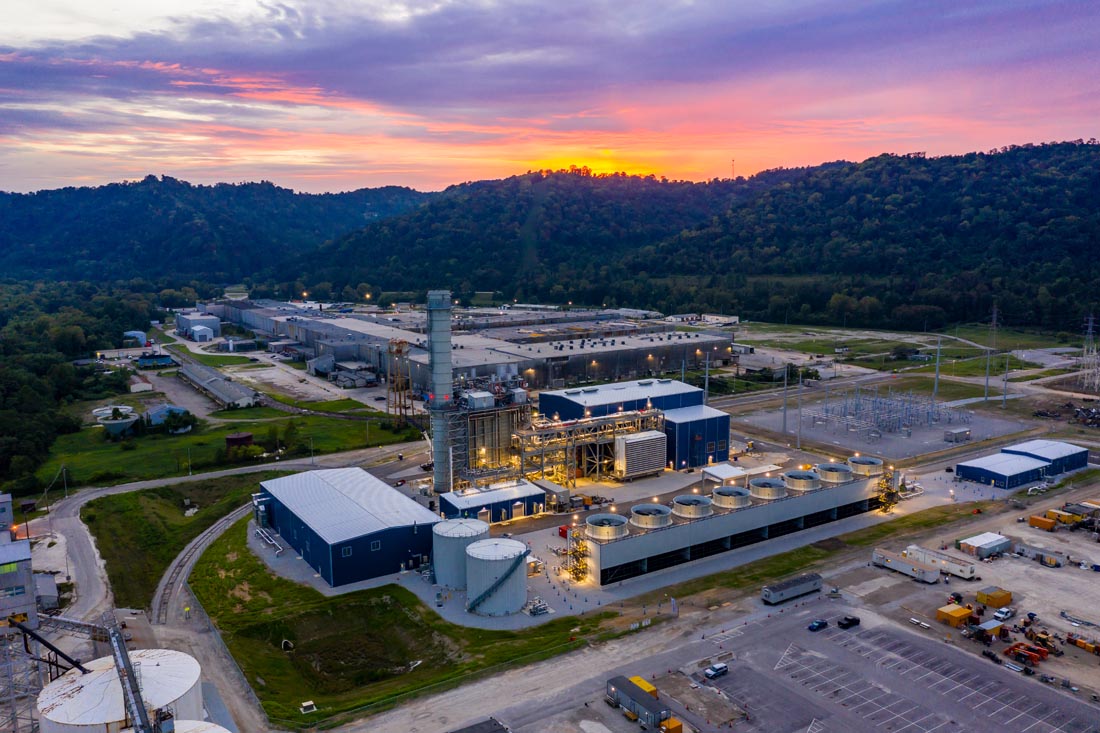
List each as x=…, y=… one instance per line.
x=487, y=562
x=768, y=488
x=94, y=703
x=450, y=538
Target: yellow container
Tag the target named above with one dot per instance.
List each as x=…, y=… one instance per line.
x=953, y=615
x=672, y=725
x=994, y=596
x=645, y=686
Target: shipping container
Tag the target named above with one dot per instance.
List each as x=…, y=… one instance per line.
x=953, y=615
x=959, y=566
x=1042, y=523
x=635, y=702
x=923, y=572
x=672, y=725
x=1063, y=517
x=644, y=686
x=994, y=596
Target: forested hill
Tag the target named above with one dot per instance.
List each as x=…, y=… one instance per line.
x=903, y=241
x=550, y=235
x=169, y=228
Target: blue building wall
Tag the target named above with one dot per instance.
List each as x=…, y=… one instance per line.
x=690, y=444
x=569, y=409
x=380, y=553
x=999, y=480
x=1063, y=464
x=501, y=510
x=367, y=560
x=314, y=550
x=158, y=415
x=156, y=360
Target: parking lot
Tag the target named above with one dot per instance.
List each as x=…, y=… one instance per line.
x=877, y=677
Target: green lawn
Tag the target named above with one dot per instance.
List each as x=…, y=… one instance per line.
x=1009, y=338
x=140, y=533
x=94, y=460
x=975, y=367
x=249, y=413
x=1040, y=375
x=948, y=390
x=161, y=336
x=210, y=360
x=354, y=650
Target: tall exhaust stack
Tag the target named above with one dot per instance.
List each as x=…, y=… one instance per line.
x=441, y=400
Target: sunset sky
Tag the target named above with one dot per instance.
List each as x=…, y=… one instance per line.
x=330, y=95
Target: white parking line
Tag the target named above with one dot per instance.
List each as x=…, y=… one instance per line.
x=1025, y=712
x=912, y=723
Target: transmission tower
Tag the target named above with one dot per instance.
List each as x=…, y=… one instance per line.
x=1089, y=376
x=397, y=381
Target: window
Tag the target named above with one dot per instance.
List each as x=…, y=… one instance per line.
x=710, y=447
x=375, y=545
x=9, y=567
x=721, y=445
x=345, y=551
x=12, y=591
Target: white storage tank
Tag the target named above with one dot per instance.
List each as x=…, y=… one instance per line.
x=94, y=703
x=650, y=516
x=865, y=465
x=691, y=506
x=731, y=497
x=768, y=488
x=487, y=561
x=606, y=526
x=834, y=473
x=192, y=726
x=802, y=480
x=450, y=538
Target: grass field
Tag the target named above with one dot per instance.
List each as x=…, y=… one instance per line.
x=948, y=390
x=92, y=459
x=1040, y=375
x=249, y=413
x=354, y=650
x=975, y=367
x=210, y=360
x=140, y=533
x=1009, y=338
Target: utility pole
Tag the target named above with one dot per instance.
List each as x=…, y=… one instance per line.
x=800, y=409
x=784, y=399
x=706, y=379
x=188, y=460
x=1004, y=389
x=936, y=383
x=65, y=483
x=989, y=351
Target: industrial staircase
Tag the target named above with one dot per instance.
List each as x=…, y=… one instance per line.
x=516, y=564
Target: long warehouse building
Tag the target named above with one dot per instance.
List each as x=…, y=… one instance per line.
x=1024, y=463
x=346, y=524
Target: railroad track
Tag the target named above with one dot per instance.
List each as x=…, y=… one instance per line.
x=163, y=598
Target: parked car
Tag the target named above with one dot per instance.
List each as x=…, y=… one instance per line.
x=380, y=398
x=715, y=670
x=818, y=624
x=848, y=622
x=400, y=482
x=1004, y=614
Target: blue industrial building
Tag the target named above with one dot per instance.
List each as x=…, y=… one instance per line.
x=346, y=524
x=157, y=415
x=607, y=399
x=1003, y=470
x=697, y=436
x=155, y=361
x=494, y=503
x=1063, y=457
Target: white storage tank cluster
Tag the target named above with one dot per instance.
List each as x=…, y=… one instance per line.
x=486, y=562
x=450, y=538
x=650, y=516
x=865, y=465
x=768, y=488
x=94, y=703
x=834, y=473
x=802, y=480
x=731, y=497
x=606, y=527
x=690, y=506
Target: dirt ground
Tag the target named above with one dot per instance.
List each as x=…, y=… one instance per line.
x=291, y=382
x=1037, y=589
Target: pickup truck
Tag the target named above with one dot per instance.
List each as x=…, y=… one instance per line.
x=1004, y=614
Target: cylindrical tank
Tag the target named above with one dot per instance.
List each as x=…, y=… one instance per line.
x=606, y=526
x=191, y=726
x=802, y=480
x=692, y=506
x=834, y=473
x=486, y=562
x=450, y=538
x=865, y=465
x=93, y=702
x=650, y=516
x=768, y=488
x=731, y=497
